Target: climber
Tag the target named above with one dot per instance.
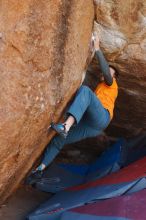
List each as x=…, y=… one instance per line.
x=89, y=114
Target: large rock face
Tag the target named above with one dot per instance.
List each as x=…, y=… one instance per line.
x=43, y=51
x=121, y=25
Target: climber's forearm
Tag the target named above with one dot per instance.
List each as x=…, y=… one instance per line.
x=104, y=67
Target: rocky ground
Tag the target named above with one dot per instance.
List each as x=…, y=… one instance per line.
x=24, y=200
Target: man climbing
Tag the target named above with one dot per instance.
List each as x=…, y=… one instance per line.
x=89, y=114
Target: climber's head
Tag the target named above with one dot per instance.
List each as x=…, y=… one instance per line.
x=114, y=72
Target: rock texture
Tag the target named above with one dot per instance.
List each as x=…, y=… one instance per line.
x=121, y=25
x=43, y=50
x=44, y=47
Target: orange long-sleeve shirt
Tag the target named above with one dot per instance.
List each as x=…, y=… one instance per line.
x=107, y=95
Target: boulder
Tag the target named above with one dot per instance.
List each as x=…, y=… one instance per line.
x=43, y=51
x=121, y=26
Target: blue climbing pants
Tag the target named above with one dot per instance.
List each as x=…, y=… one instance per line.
x=91, y=119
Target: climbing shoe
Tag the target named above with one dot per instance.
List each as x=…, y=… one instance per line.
x=60, y=129
x=35, y=176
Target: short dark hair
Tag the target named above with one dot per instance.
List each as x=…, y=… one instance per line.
x=116, y=71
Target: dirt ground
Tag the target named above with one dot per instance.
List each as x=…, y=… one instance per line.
x=23, y=201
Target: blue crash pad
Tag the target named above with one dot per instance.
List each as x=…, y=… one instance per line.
x=61, y=176
x=125, y=181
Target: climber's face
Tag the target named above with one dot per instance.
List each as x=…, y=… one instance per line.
x=112, y=72
x=101, y=79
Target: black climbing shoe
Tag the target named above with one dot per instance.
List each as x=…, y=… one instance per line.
x=60, y=129
x=34, y=177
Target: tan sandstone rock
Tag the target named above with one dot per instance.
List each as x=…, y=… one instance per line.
x=43, y=50
x=121, y=25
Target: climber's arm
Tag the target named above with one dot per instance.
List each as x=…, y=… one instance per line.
x=104, y=67
x=103, y=63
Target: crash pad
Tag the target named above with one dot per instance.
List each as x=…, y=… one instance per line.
x=125, y=181
x=61, y=176
x=129, y=207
